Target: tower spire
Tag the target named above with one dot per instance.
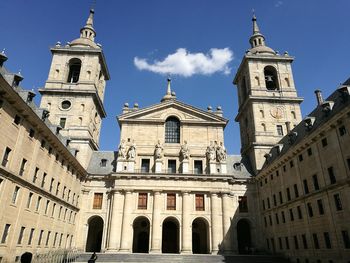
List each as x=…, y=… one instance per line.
x=257, y=40
x=255, y=25
x=169, y=95
x=87, y=33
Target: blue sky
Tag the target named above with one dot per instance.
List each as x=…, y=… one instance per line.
x=316, y=32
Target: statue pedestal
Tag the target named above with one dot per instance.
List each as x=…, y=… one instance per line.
x=185, y=165
x=131, y=166
x=120, y=165
x=223, y=167
x=158, y=166
x=212, y=167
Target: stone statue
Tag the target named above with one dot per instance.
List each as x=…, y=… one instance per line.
x=221, y=152
x=122, y=149
x=185, y=152
x=132, y=151
x=210, y=152
x=158, y=151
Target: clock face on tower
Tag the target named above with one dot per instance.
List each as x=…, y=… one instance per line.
x=276, y=112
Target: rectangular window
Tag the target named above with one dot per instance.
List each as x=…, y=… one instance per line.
x=265, y=221
x=15, y=194
x=29, y=201
x=281, y=197
x=23, y=165
x=283, y=217
x=274, y=200
x=51, y=184
x=268, y=203
x=316, y=243
x=6, y=156
x=324, y=142
x=270, y=220
x=31, y=133
x=348, y=162
x=63, y=122
x=17, y=120
x=320, y=206
x=277, y=219
x=43, y=143
x=48, y=238
x=309, y=208
x=291, y=215
x=145, y=164
x=303, y=237
x=309, y=151
x=31, y=235
x=40, y=237
x=64, y=192
x=331, y=175
x=300, y=157
x=284, y=168
x=171, y=201
x=53, y=210
x=98, y=197
x=288, y=194
x=243, y=204
x=171, y=166
x=337, y=201
x=198, y=167
x=279, y=130
x=291, y=164
x=38, y=204
x=263, y=204
x=315, y=182
x=35, y=177
x=296, y=192
x=346, y=238
x=296, y=244
x=306, y=187
x=60, y=243
x=342, y=130
x=142, y=202
x=300, y=215
x=57, y=188
x=199, y=202
x=280, y=242
x=287, y=242
x=20, y=237
x=5, y=233
x=43, y=180
x=47, y=206
x=327, y=240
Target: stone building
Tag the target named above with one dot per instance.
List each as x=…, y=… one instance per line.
x=171, y=187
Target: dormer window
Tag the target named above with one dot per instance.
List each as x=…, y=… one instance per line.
x=172, y=130
x=103, y=163
x=74, y=70
x=271, y=80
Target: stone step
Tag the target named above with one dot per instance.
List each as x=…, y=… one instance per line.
x=174, y=258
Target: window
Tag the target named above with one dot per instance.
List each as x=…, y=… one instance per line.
x=300, y=215
x=23, y=165
x=291, y=164
x=63, y=122
x=171, y=201
x=284, y=168
x=172, y=130
x=48, y=238
x=142, y=202
x=270, y=220
x=47, y=206
x=15, y=194
x=287, y=242
x=316, y=243
x=5, y=233
x=342, y=130
x=66, y=104
x=268, y=203
x=40, y=237
x=346, y=239
x=38, y=204
x=296, y=192
x=51, y=184
x=337, y=202
x=296, y=244
x=5, y=159
x=53, y=210
x=55, y=239
x=98, y=197
x=324, y=142
x=145, y=164
x=198, y=167
x=64, y=192
x=265, y=221
x=306, y=187
x=291, y=215
x=31, y=234
x=31, y=133
x=315, y=182
x=263, y=204
x=303, y=237
x=199, y=202
x=283, y=217
x=279, y=130
x=17, y=120
x=43, y=143
x=74, y=70
x=309, y=208
x=171, y=166
x=103, y=163
x=300, y=157
x=331, y=175
x=43, y=180
x=271, y=80
x=50, y=150
x=35, y=174
x=320, y=206
x=309, y=151
x=288, y=194
x=281, y=197
x=327, y=240
x=243, y=204
x=280, y=243
x=20, y=237
x=274, y=200
x=277, y=219
x=29, y=201
x=57, y=188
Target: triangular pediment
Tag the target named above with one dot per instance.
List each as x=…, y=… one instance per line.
x=161, y=111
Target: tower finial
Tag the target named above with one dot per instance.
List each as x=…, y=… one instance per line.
x=255, y=24
x=169, y=95
x=168, y=91
x=87, y=33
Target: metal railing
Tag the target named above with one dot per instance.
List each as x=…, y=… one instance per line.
x=56, y=256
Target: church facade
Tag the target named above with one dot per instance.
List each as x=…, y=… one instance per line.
x=171, y=187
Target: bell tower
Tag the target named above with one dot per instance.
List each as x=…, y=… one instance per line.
x=269, y=106
x=74, y=91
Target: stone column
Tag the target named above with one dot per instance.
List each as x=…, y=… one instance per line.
x=227, y=206
x=115, y=223
x=126, y=237
x=156, y=227
x=216, y=223
x=186, y=224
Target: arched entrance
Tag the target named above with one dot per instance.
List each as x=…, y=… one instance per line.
x=141, y=235
x=94, y=238
x=200, y=236
x=243, y=236
x=170, y=236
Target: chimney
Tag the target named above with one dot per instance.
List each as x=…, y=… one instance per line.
x=288, y=126
x=319, y=97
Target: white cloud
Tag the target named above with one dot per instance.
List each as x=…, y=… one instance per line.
x=278, y=3
x=186, y=64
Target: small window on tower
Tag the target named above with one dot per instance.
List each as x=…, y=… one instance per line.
x=66, y=104
x=279, y=130
x=74, y=70
x=63, y=122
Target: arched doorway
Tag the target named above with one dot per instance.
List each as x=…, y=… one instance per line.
x=243, y=236
x=94, y=238
x=200, y=242
x=141, y=235
x=170, y=236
